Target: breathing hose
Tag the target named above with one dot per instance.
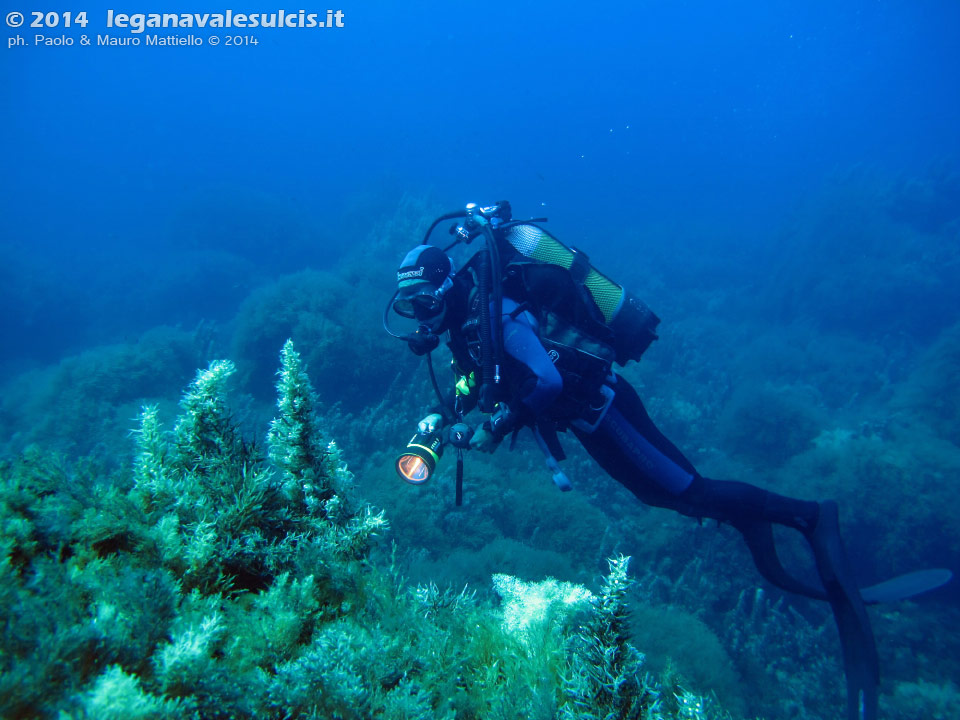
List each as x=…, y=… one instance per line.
x=445, y=216
x=436, y=389
x=486, y=351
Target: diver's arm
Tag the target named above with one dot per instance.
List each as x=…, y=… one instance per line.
x=521, y=342
x=537, y=390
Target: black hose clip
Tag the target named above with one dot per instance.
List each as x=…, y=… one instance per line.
x=459, y=435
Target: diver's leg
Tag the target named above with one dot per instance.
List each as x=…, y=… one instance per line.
x=630, y=406
x=753, y=511
x=739, y=502
x=631, y=448
x=633, y=451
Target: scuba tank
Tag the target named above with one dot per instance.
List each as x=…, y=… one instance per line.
x=561, y=279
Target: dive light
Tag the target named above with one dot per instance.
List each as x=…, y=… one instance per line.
x=420, y=457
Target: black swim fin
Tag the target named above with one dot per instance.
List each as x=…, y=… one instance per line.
x=906, y=586
x=846, y=600
x=759, y=538
x=760, y=541
x=860, y=660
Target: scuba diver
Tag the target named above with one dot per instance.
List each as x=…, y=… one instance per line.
x=534, y=331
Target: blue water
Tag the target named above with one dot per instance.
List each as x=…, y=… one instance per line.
x=780, y=180
x=651, y=112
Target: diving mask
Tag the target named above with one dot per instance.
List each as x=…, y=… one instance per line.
x=422, y=306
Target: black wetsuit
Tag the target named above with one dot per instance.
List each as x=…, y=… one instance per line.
x=619, y=434
x=625, y=443
x=634, y=452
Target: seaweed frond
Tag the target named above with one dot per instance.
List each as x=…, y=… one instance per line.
x=607, y=679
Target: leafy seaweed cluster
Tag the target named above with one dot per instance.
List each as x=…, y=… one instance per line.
x=213, y=580
x=161, y=593
x=221, y=518
x=607, y=678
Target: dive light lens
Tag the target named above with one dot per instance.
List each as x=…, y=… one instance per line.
x=413, y=469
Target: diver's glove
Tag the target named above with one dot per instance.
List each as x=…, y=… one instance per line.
x=501, y=423
x=484, y=440
x=431, y=423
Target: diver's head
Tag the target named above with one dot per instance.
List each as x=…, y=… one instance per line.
x=424, y=278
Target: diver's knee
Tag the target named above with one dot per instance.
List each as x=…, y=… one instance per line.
x=696, y=489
